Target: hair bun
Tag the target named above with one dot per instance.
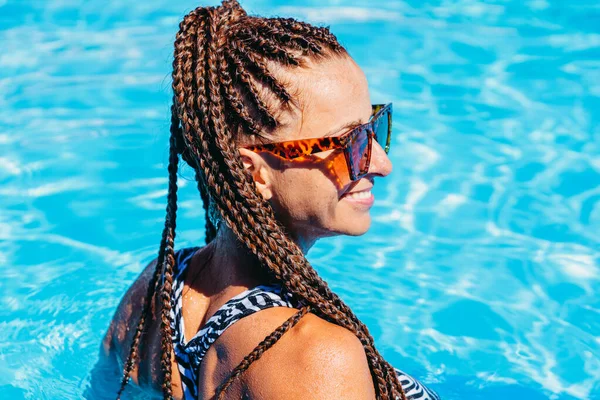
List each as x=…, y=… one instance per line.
x=232, y=10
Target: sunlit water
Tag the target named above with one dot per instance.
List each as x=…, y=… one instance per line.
x=481, y=273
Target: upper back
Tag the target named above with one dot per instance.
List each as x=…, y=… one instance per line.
x=308, y=354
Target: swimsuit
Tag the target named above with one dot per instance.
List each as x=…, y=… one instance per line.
x=189, y=353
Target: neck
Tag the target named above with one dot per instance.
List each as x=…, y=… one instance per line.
x=226, y=262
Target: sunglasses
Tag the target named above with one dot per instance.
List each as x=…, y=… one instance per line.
x=356, y=144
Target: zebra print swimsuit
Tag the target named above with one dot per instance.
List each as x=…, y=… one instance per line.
x=189, y=354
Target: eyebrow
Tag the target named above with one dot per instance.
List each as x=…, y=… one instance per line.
x=348, y=126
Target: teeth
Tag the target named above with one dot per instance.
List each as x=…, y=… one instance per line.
x=360, y=195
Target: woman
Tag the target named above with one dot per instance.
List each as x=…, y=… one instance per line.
x=275, y=118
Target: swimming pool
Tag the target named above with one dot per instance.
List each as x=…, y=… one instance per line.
x=481, y=273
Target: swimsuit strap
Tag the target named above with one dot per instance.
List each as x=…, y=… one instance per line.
x=189, y=354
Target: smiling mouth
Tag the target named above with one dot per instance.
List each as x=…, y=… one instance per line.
x=358, y=195
x=363, y=199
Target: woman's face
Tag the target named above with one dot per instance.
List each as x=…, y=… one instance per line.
x=314, y=196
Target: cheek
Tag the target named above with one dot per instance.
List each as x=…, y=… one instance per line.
x=305, y=193
x=335, y=168
x=342, y=174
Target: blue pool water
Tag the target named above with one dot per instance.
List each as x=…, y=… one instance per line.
x=481, y=274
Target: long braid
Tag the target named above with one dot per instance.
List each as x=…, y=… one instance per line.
x=270, y=28
x=264, y=345
x=210, y=229
x=200, y=14
x=167, y=273
x=152, y=284
x=210, y=48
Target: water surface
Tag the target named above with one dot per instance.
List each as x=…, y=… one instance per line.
x=481, y=273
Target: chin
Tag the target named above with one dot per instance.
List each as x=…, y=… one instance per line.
x=356, y=226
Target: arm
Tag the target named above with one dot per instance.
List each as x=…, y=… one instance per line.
x=122, y=326
x=105, y=377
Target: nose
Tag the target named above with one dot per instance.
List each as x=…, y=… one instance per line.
x=380, y=162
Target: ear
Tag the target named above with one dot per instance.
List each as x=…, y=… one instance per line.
x=260, y=171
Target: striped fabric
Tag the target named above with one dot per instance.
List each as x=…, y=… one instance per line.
x=189, y=354
x=413, y=389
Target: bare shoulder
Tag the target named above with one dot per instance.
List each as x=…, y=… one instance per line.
x=128, y=310
x=324, y=360
x=331, y=362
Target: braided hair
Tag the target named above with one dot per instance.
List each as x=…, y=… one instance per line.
x=224, y=90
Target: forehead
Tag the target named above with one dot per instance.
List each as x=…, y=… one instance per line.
x=331, y=93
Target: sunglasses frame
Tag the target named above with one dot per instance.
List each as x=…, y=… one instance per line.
x=292, y=149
